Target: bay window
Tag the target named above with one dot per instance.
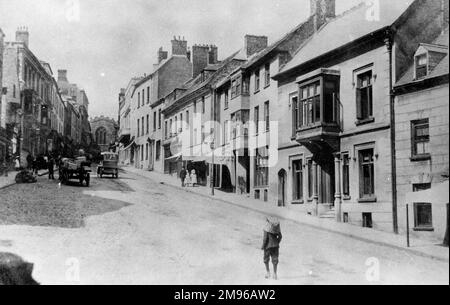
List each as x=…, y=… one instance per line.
x=317, y=103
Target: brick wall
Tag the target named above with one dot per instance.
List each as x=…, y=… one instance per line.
x=200, y=57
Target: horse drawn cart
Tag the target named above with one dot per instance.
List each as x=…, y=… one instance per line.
x=75, y=169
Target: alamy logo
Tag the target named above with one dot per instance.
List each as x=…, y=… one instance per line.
x=373, y=12
x=205, y=139
x=73, y=269
x=73, y=10
x=373, y=270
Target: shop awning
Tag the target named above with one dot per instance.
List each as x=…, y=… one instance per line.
x=124, y=138
x=130, y=145
x=174, y=157
x=222, y=156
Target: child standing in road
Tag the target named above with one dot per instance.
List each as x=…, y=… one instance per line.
x=271, y=245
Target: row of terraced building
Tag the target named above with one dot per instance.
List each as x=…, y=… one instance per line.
x=342, y=117
x=39, y=114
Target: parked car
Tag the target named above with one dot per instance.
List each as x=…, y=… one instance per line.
x=109, y=165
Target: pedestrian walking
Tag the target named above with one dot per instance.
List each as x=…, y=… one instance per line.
x=51, y=168
x=271, y=245
x=35, y=166
x=30, y=161
x=183, y=175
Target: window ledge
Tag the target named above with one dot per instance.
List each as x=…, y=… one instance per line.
x=257, y=91
x=425, y=157
x=365, y=121
x=367, y=200
x=266, y=86
x=297, y=202
x=347, y=198
x=423, y=229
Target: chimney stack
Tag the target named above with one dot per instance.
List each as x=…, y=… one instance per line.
x=213, y=55
x=23, y=36
x=162, y=55
x=255, y=44
x=322, y=11
x=179, y=46
x=62, y=76
x=200, y=57
x=189, y=54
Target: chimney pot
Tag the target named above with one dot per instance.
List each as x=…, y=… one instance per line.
x=62, y=76
x=200, y=58
x=179, y=47
x=23, y=36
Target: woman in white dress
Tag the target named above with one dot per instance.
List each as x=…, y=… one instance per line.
x=193, y=178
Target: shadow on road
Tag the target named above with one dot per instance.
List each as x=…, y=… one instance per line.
x=46, y=204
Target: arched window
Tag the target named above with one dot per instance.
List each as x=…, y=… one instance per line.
x=100, y=136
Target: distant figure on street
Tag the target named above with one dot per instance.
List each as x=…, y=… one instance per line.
x=271, y=245
x=30, y=162
x=51, y=168
x=35, y=166
x=183, y=175
x=193, y=178
x=17, y=163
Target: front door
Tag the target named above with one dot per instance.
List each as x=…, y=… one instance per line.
x=326, y=179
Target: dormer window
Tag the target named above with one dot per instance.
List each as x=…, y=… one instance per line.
x=426, y=58
x=421, y=66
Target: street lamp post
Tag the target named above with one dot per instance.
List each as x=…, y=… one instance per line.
x=212, y=166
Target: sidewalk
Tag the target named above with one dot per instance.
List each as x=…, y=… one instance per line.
x=10, y=180
x=7, y=181
x=418, y=247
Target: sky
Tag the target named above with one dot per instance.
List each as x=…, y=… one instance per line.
x=104, y=43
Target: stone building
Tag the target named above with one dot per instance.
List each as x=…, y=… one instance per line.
x=422, y=136
x=104, y=131
x=168, y=74
x=78, y=129
x=336, y=161
x=28, y=98
x=126, y=142
x=188, y=114
x=247, y=99
x=5, y=142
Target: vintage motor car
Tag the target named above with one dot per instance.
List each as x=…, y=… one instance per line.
x=109, y=165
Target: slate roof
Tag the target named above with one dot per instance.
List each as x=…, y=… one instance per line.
x=348, y=27
x=439, y=70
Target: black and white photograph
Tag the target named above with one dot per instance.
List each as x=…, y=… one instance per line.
x=202, y=144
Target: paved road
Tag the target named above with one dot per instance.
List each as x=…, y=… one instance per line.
x=137, y=231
